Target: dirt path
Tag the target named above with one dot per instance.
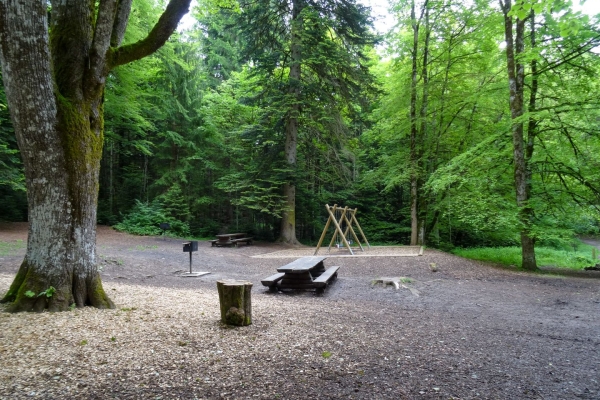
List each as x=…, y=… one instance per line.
x=591, y=242
x=473, y=330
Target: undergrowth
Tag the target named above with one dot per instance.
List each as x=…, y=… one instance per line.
x=577, y=258
x=145, y=219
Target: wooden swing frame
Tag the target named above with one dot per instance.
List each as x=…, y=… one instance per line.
x=345, y=212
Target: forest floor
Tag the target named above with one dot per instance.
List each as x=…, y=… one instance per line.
x=469, y=330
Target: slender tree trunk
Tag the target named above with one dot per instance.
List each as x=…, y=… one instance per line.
x=55, y=90
x=515, y=44
x=414, y=130
x=528, y=214
x=414, y=220
x=288, y=220
x=422, y=201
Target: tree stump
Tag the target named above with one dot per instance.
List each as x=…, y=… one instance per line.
x=234, y=298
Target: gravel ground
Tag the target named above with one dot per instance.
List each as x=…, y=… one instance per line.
x=469, y=330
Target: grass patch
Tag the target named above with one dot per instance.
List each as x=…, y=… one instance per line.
x=579, y=258
x=145, y=247
x=11, y=248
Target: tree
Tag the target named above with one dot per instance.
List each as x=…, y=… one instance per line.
x=55, y=75
x=439, y=99
x=514, y=33
x=526, y=124
x=310, y=52
x=414, y=175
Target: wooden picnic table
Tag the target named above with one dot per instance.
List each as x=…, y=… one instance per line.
x=303, y=273
x=228, y=239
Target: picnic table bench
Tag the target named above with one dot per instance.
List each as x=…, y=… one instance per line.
x=231, y=239
x=303, y=273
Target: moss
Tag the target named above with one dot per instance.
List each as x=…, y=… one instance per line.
x=82, y=145
x=28, y=280
x=97, y=295
x=32, y=282
x=235, y=316
x=81, y=134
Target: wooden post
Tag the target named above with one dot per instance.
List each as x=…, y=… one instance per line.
x=234, y=299
x=349, y=228
x=359, y=228
x=326, y=227
x=338, y=230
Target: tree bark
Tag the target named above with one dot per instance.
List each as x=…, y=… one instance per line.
x=55, y=90
x=421, y=206
x=515, y=44
x=288, y=218
x=235, y=302
x=414, y=133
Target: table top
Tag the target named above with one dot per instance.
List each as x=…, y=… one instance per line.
x=303, y=264
x=230, y=235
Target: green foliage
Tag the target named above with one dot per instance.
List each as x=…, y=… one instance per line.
x=11, y=173
x=197, y=131
x=13, y=201
x=48, y=293
x=174, y=204
x=575, y=258
x=145, y=218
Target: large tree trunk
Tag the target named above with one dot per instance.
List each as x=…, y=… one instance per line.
x=288, y=218
x=515, y=45
x=61, y=144
x=55, y=90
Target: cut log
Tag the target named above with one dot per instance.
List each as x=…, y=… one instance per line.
x=234, y=299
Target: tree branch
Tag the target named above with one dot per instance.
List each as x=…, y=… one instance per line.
x=104, y=26
x=100, y=44
x=121, y=20
x=165, y=26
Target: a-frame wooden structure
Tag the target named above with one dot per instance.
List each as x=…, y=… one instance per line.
x=347, y=216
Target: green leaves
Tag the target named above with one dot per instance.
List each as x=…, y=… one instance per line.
x=145, y=218
x=48, y=293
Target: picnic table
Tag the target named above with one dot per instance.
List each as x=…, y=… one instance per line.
x=303, y=273
x=231, y=239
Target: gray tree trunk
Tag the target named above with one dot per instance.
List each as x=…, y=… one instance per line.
x=55, y=90
x=515, y=45
x=414, y=159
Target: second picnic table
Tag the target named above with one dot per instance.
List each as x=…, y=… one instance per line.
x=303, y=273
x=228, y=239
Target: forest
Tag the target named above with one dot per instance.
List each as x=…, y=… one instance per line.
x=466, y=124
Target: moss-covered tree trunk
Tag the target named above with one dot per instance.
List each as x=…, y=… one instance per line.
x=55, y=89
